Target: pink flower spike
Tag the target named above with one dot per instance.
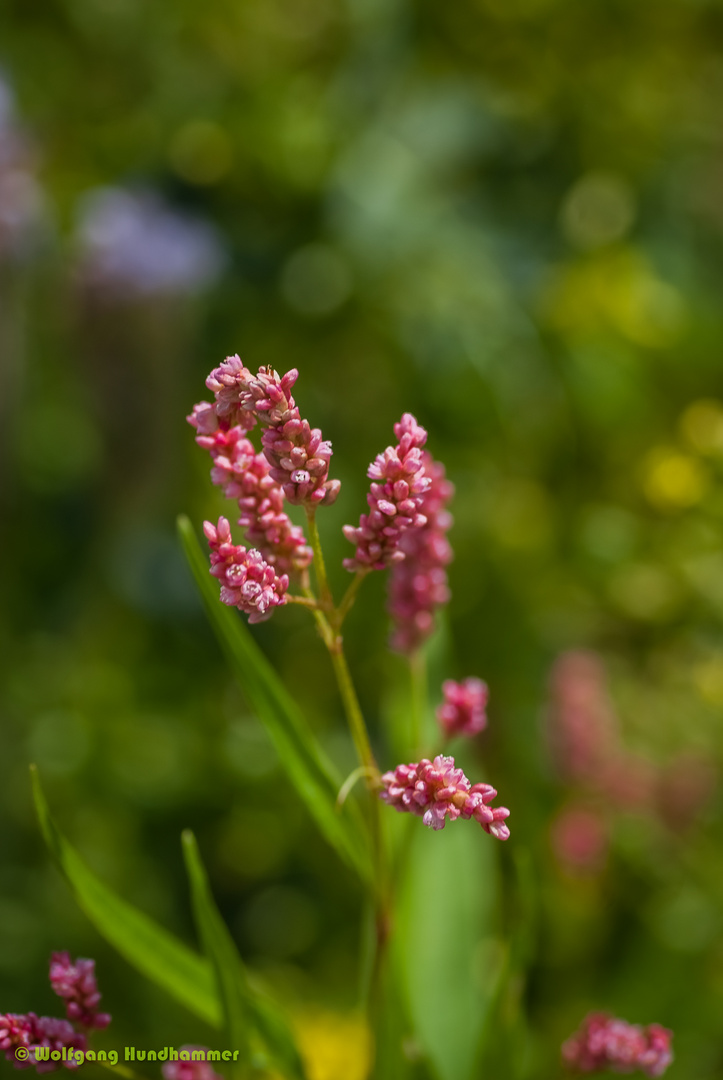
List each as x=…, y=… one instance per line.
x=248, y=582
x=75, y=982
x=244, y=475
x=463, y=709
x=297, y=454
x=418, y=583
x=395, y=501
x=187, y=1069
x=438, y=790
x=33, y=1031
x=604, y=1042
x=16, y=1030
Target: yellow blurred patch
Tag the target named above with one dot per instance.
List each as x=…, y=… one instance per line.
x=618, y=290
x=521, y=518
x=672, y=480
x=334, y=1046
x=702, y=426
x=644, y=591
x=708, y=679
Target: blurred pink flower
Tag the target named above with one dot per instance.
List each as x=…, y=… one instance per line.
x=39, y=1031
x=23, y=214
x=76, y=983
x=581, y=724
x=247, y=581
x=437, y=790
x=606, y=1043
x=628, y=781
x=418, y=584
x=395, y=498
x=190, y=1070
x=683, y=790
x=579, y=837
x=463, y=709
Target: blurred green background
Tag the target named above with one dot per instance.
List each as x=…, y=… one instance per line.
x=505, y=216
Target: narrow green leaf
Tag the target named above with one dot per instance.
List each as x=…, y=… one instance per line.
x=306, y=764
x=150, y=948
x=448, y=957
x=241, y=1002
x=220, y=950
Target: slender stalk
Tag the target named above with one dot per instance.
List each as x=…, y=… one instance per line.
x=329, y=619
x=351, y=706
x=327, y=600
x=383, y=890
x=305, y=601
x=351, y=780
x=349, y=597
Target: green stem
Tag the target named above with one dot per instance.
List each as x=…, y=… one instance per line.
x=327, y=600
x=351, y=706
x=351, y=780
x=329, y=620
x=305, y=601
x=349, y=597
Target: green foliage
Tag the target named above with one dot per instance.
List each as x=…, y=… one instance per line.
x=307, y=766
x=502, y=215
x=241, y=1004
x=216, y=988
x=446, y=946
x=150, y=948
x=220, y=950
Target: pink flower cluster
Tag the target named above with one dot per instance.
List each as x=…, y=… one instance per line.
x=395, y=499
x=582, y=726
x=584, y=737
x=580, y=836
x=244, y=475
x=463, y=709
x=606, y=1043
x=418, y=583
x=30, y=1031
x=189, y=1070
x=76, y=984
x=297, y=454
x=248, y=582
x=436, y=790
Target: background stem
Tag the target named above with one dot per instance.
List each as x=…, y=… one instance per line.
x=418, y=673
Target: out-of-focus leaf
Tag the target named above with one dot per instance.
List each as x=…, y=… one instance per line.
x=448, y=957
x=220, y=950
x=308, y=767
x=396, y=1050
x=150, y=948
x=242, y=1005
x=508, y=1043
